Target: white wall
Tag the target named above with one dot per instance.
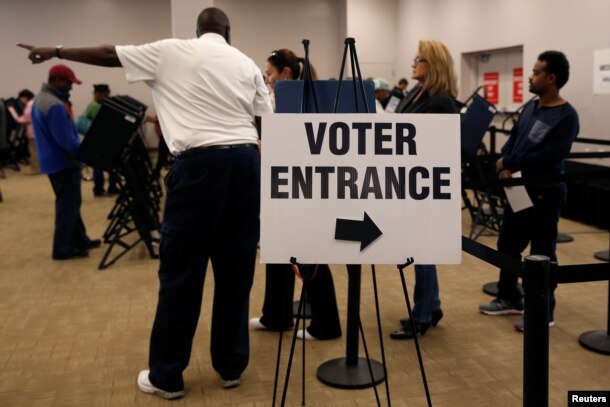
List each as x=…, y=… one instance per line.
x=374, y=26
x=386, y=32
x=76, y=23
x=574, y=27
x=261, y=26
x=184, y=16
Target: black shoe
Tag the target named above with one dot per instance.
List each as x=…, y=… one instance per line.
x=76, y=254
x=437, y=315
x=406, y=331
x=94, y=244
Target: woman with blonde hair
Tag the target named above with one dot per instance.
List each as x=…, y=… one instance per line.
x=435, y=93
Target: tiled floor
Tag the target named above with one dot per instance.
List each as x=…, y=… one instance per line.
x=72, y=335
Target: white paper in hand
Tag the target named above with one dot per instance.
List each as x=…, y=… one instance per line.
x=517, y=196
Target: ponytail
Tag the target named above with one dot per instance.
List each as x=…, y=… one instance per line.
x=314, y=74
x=285, y=58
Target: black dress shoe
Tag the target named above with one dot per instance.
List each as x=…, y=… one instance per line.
x=437, y=315
x=94, y=244
x=406, y=331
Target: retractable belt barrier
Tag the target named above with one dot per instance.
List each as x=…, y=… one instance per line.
x=573, y=273
x=535, y=274
x=545, y=180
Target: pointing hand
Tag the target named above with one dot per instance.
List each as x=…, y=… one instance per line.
x=38, y=55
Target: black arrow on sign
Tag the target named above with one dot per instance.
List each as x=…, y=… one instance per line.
x=363, y=231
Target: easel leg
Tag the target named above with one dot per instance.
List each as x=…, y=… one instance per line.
x=292, y=346
x=419, y=358
x=385, y=370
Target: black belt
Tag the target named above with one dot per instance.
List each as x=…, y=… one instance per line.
x=195, y=150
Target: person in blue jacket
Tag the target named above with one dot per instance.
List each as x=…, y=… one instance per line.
x=57, y=142
x=538, y=145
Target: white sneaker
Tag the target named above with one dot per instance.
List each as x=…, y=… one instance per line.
x=304, y=332
x=230, y=384
x=146, y=386
x=255, y=323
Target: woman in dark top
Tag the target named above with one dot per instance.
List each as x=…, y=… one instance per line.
x=277, y=312
x=435, y=93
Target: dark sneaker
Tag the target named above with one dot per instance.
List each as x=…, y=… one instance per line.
x=146, y=386
x=501, y=306
x=520, y=324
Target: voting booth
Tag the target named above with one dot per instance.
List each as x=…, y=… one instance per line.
x=114, y=143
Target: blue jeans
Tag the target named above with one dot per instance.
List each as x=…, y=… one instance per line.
x=427, y=298
x=70, y=234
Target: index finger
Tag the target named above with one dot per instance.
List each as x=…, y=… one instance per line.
x=26, y=46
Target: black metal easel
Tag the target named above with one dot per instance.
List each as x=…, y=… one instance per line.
x=307, y=272
x=352, y=372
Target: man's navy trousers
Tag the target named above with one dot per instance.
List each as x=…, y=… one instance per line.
x=211, y=213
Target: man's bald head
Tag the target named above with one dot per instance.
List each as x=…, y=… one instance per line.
x=213, y=20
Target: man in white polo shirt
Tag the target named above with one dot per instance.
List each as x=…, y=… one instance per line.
x=209, y=97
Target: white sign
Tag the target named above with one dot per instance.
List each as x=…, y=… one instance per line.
x=361, y=188
x=601, y=72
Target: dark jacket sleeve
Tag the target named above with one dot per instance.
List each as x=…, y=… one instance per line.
x=440, y=103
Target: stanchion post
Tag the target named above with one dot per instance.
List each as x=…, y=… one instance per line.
x=598, y=341
x=536, y=331
x=353, y=314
